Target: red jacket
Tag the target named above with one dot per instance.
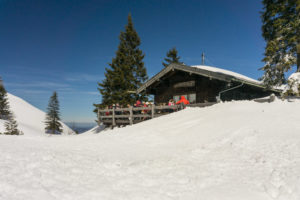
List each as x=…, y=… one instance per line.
x=183, y=100
x=138, y=103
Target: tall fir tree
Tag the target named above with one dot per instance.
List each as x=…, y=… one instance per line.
x=172, y=57
x=4, y=105
x=126, y=72
x=281, y=31
x=53, y=126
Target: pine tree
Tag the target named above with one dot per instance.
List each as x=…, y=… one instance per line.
x=126, y=72
x=281, y=30
x=53, y=125
x=11, y=126
x=172, y=57
x=4, y=105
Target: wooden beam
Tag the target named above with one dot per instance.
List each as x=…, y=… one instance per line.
x=152, y=111
x=131, y=115
x=113, y=117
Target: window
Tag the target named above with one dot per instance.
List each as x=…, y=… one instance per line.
x=190, y=97
x=176, y=98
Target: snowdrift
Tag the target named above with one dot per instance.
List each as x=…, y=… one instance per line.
x=292, y=88
x=30, y=119
x=229, y=151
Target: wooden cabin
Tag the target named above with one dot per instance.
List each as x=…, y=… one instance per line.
x=200, y=84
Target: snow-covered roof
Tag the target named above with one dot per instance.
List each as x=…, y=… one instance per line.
x=227, y=72
x=207, y=71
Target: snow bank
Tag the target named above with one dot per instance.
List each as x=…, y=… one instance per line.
x=31, y=120
x=229, y=151
x=227, y=72
x=292, y=88
x=94, y=130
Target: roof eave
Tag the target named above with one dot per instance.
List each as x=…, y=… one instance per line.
x=202, y=72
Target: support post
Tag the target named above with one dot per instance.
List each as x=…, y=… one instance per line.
x=181, y=106
x=153, y=111
x=98, y=115
x=113, y=117
x=130, y=115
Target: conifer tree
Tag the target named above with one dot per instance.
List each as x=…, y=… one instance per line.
x=126, y=72
x=172, y=57
x=53, y=125
x=4, y=105
x=281, y=31
x=11, y=126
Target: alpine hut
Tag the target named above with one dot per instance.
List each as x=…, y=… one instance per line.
x=200, y=84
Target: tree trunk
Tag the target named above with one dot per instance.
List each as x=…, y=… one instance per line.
x=298, y=38
x=298, y=58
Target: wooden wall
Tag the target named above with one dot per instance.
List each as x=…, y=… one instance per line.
x=206, y=89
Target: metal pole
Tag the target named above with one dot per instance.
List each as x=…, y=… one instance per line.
x=235, y=87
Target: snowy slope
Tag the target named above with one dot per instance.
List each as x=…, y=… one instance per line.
x=30, y=119
x=229, y=151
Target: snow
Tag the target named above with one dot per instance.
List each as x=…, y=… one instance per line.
x=31, y=120
x=295, y=76
x=230, y=151
x=227, y=72
x=293, y=83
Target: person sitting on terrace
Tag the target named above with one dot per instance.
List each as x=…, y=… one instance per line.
x=138, y=103
x=107, y=113
x=183, y=100
x=146, y=104
x=171, y=102
x=118, y=107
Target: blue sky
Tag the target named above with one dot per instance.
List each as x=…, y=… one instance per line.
x=65, y=45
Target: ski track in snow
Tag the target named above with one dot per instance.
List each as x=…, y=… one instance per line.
x=236, y=150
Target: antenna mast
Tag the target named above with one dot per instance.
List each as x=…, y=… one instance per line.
x=203, y=58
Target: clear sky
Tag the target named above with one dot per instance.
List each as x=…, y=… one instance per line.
x=65, y=45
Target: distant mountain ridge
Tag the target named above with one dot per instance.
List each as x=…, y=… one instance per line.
x=80, y=127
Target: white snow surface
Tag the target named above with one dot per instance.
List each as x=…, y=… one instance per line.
x=31, y=120
x=229, y=151
x=227, y=72
x=295, y=76
x=294, y=82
